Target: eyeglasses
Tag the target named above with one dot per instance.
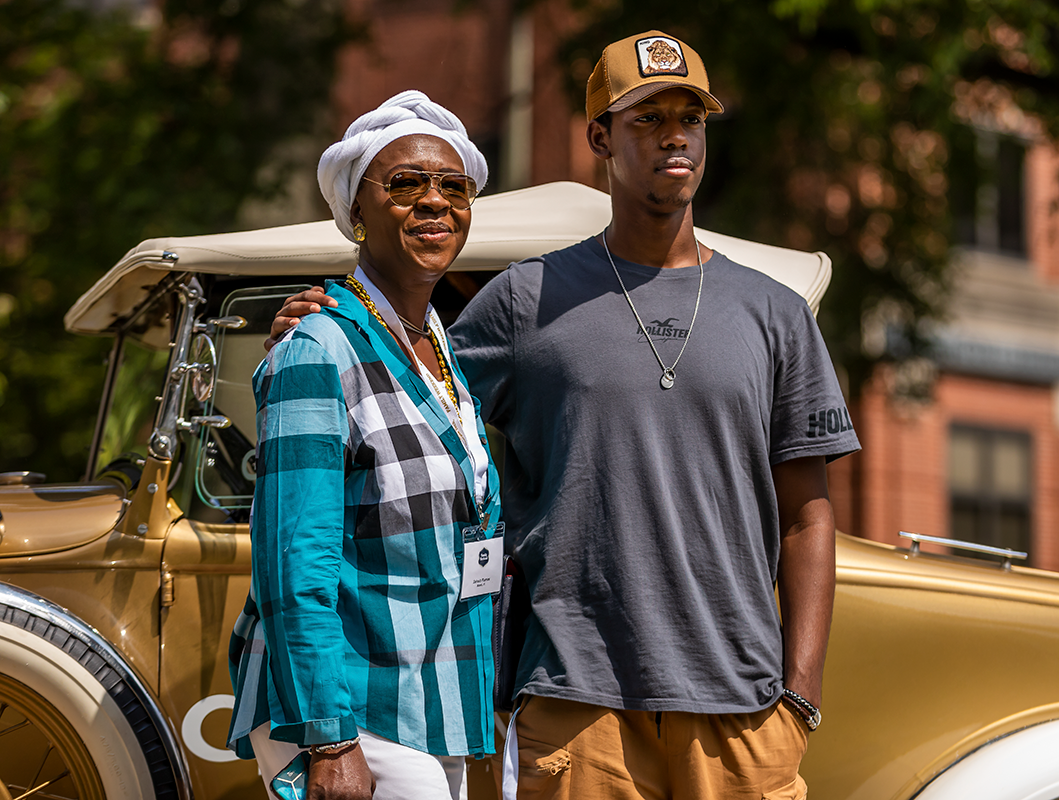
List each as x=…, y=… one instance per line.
x=408, y=186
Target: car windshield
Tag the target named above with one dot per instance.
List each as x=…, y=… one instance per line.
x=214, y=475
x=134, y=403
x=224, y=462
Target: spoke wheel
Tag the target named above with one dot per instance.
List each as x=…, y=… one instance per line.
x=85, y=703
x=41, y=756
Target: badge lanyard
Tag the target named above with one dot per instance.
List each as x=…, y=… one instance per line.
x=483, y=555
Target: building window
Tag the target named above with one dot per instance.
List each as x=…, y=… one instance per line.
x=987, y=192
x=990, y=486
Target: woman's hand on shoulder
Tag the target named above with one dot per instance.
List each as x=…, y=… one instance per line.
x=294, y=308
x=340, y=776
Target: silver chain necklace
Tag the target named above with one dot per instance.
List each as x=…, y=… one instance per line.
x=669, y=374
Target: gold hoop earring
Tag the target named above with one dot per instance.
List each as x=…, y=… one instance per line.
x=360, y=233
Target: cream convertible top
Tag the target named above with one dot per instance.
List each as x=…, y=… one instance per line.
x=507, y=227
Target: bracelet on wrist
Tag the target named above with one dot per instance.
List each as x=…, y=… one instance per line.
x=336, y=747
x=806, y=710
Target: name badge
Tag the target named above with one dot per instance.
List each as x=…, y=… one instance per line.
x=483, y=567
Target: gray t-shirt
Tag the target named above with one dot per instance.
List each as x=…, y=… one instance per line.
x=645, y=519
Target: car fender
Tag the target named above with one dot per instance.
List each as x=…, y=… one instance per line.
x=87, y=682
x=1014, y=759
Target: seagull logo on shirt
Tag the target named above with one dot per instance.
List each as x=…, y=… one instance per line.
x=663, y=329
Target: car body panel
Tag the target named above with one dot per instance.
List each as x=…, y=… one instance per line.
x=875, y=564
x=42, y=519
x=210, y=569
x=937, y=665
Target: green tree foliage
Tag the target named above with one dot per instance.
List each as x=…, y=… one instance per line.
x=842, y=117
x=120, y=126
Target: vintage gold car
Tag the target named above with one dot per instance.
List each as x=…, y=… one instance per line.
x=117, y=594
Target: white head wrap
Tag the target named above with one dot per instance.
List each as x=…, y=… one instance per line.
x=344, y=163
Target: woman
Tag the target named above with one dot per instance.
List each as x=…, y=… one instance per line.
x=361, y=651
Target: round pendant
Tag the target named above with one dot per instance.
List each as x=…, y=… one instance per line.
x=667, y=378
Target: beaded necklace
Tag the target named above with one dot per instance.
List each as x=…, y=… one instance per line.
x=362, y=294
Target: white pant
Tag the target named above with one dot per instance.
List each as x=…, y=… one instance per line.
x=400, y=772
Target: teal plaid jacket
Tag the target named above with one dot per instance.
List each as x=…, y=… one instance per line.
x=363, y=491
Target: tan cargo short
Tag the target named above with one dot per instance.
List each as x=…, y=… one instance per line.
x=574, y=751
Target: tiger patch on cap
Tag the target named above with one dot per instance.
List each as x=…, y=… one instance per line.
x=659, y=55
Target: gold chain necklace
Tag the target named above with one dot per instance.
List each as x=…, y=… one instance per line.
x=362, y=294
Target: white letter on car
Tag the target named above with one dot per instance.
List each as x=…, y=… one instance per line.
x=191, y=730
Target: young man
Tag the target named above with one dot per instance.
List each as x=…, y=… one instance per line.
x=663, y=475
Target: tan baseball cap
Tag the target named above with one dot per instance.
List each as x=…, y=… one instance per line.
x=640, y=66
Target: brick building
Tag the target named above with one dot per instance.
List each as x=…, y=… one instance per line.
x=964, y=445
